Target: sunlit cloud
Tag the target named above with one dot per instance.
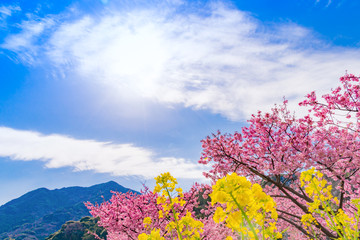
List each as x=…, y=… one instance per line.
x=58, y=151
x=218, y=58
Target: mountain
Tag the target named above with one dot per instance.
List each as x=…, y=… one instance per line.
x=41, y=212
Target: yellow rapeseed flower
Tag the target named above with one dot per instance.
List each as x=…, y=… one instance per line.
x=154, y=235
x=246, y=204
x=147, y=222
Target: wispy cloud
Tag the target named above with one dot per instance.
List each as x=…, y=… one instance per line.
x=5, y=12
x=328, y=2
x=58, y=151
x=8, y=10
x=217, y=58
x=26, y=42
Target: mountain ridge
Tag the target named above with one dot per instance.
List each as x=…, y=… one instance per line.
x=40, y=212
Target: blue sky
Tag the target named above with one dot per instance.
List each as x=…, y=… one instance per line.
x=93, y=91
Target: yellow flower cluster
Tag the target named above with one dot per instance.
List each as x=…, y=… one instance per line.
x=246, y=205
x=188, y=227
x=185, y=227
x=346, y=225
x=147, y=222
x=324, y=206
x=308, y=220
x=154, y=235
x=318, y=189
x=165, y=181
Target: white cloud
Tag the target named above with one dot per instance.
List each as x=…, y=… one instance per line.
x=58, y=151
x=6, y=11
x=27, y=41
x=217, y=58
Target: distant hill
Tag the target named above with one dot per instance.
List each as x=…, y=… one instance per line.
x=41, y=212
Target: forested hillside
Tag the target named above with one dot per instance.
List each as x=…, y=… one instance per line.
x=41, y=212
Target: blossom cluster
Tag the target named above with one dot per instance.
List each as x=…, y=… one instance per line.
x=184, y=227
x=245, y=204
x=323, y=208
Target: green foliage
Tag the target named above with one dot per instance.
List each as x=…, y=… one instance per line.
x=79, y=230
x=203, y=203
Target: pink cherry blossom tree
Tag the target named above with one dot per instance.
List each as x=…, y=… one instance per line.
x=276, y=147
x=123, y=215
